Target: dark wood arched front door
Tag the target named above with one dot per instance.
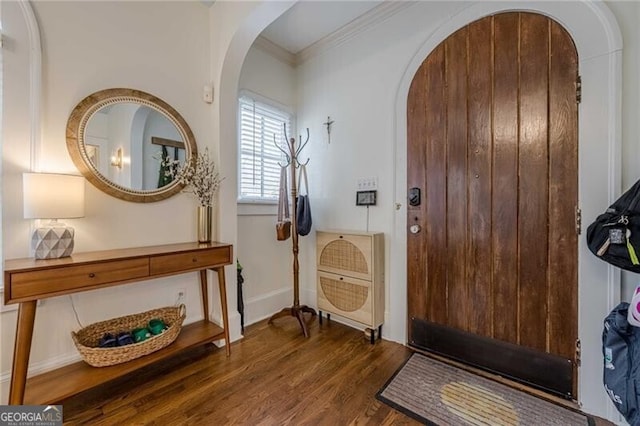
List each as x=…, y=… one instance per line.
x=493, y=150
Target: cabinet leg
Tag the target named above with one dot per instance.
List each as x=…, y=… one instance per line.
x=21, y=351
x=328, y=317
x=320, y=316
x=372, y=335
x=223, y=304
x=380, y=332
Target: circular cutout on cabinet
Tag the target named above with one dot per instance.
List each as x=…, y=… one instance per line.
x=341, y=254
x=347, y=297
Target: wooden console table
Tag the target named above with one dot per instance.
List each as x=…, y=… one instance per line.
x=28, y=280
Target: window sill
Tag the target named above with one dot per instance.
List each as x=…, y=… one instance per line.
x=257, y=208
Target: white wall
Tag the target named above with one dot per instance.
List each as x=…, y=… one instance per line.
x=267, y=262
x=234, y=27
x=356, y=83
x=159, y=47
x=628, y=16
x=359, y=83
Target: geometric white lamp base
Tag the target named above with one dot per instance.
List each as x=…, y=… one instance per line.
x=52, y=242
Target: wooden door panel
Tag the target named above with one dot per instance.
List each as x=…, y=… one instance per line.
x=416, y=167
x=533, y=181
x=492, y=144
x=563, y=190
x=505, y=178
x=435, y=188
x=478, y=269
x=456, y=102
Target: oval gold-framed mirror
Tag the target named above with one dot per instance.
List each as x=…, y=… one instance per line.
x=128, y=143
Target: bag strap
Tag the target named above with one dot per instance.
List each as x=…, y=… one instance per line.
x=301, y=174
x=283, y=197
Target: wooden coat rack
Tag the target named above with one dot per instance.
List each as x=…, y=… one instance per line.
x=293, y=163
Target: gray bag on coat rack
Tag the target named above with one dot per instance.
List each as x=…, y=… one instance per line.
x=303, y=209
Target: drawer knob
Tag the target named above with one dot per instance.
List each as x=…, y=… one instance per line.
x=92, y=275
x=341, y=278
x=341, y=236
x=194, y=260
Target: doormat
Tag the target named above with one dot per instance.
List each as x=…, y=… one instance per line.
x=439, y=394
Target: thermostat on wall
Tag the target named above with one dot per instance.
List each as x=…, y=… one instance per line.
x=366, y=198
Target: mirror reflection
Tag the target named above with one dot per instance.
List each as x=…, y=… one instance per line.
x=126, y=142
x=133, y=145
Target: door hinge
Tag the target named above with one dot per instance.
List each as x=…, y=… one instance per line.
x=578, y=89
x=578, y=220
x=578, y=353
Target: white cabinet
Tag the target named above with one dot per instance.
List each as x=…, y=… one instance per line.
x=350, y=280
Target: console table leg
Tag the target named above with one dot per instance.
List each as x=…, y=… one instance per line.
x=21, y=351
x=223, y=303
x=205, y=293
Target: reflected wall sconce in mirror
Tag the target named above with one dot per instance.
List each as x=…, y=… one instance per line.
x=52, y=196
x=116, y=160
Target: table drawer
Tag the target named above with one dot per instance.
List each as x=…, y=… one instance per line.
x=195, y=260
x=65, y=280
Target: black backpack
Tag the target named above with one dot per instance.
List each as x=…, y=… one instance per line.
x=621, y=351
x=607, y=236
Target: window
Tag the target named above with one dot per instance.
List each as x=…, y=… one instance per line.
x=260, y=124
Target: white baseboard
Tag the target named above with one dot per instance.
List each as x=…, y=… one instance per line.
x=263, y=306
x=49, y=364
x=234, y=327
x=36, y=368
x=6, y=308
x=309, y=297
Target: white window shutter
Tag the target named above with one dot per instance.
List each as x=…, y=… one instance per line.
x=259, y=125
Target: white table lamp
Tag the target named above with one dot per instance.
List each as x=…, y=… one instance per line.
x=52, y=196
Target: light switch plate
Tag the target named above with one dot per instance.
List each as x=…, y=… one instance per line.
x=207, y=94
x=368, y=184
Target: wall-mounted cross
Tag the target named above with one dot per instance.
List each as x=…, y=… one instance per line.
x=328, y=123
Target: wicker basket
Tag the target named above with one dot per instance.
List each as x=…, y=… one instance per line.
x=86, y=339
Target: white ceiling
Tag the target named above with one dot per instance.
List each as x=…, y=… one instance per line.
x=309, y=21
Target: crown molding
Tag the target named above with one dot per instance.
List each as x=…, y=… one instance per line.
x=373, y=17
x=275, y=50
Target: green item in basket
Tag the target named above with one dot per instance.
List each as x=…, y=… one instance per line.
x=141, y=334
x=156, y=326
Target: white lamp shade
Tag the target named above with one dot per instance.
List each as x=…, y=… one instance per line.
x=52, y=196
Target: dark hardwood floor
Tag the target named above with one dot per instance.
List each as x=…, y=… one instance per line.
x=274, y=376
